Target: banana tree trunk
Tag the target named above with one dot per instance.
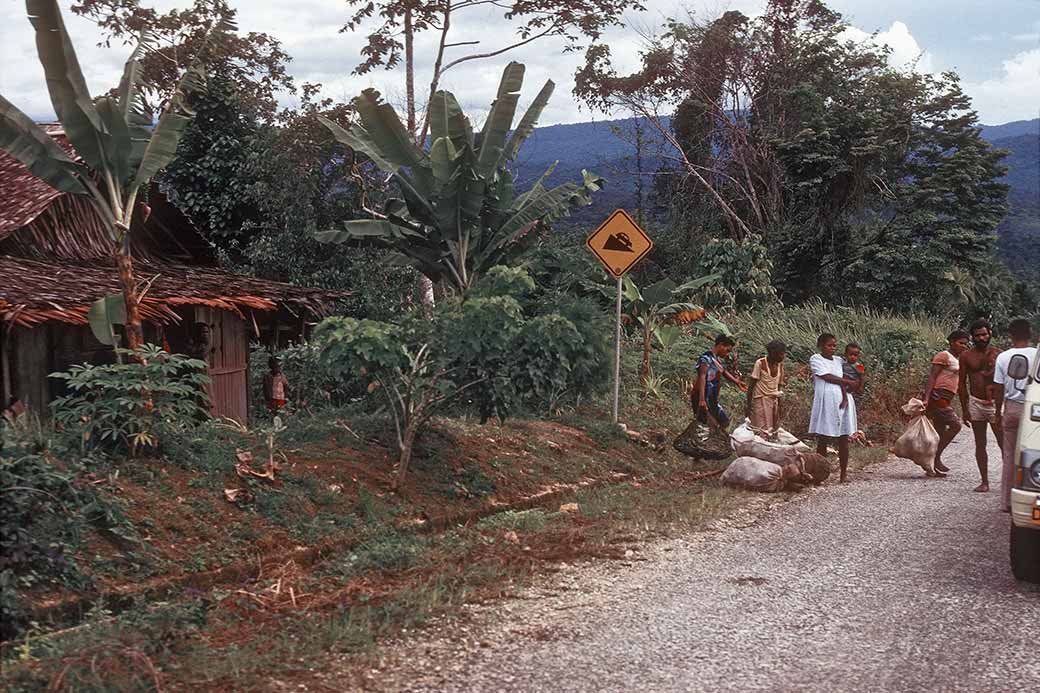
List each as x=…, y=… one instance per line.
x=125, y=264
x=648, y=335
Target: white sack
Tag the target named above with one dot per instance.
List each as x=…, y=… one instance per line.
x=754, y=475
x=770, y=452
x=920, y=440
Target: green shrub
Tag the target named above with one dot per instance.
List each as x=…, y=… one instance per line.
x=130, y=406
x=44, y=513
x=745, y=269
x=311, y=385
x=483, y=350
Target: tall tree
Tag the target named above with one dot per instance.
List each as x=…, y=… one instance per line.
x=118, y=148
x=570, y=21
x=254, y=63
x=787, y=130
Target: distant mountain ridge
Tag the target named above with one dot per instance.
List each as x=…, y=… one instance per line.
x=607, y=148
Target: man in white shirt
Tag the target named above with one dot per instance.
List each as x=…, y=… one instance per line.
x=1009, y=396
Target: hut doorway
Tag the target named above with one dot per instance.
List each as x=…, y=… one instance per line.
x=228, y=362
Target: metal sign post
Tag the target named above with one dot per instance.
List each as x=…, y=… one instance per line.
x=617, y=354
x=619, y=244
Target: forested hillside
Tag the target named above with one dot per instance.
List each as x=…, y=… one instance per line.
x=609, y=148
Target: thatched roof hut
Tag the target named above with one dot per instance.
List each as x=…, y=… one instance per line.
x=56, y=260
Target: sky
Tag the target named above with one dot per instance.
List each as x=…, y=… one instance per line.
x=994, y=45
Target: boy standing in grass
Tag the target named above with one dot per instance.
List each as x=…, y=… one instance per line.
x=763, y=394
x=941, y=391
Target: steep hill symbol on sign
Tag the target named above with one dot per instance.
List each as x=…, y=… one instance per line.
x=619, y=242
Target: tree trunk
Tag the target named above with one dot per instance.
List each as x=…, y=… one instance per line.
x=134, y=333
x=409, y=70
x=406, y=453
x=648, y=336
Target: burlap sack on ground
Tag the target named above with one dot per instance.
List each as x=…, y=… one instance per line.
x=785, y=437
x=770, y=452
x=754, y=474
x=920, y=440
x=697, y=441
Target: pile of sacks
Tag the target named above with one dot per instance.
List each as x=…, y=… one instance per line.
x=762, y=465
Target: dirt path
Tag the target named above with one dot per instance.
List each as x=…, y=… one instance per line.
x=892, y=583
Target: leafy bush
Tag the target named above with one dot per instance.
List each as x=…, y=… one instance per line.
x=311, y=384
x=44, y=512
x=483, y=350
x=745, y=271
x=128, y=406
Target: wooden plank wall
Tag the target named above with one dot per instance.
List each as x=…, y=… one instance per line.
x=228, y=363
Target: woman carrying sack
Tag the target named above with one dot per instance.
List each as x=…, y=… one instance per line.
x=941, y=391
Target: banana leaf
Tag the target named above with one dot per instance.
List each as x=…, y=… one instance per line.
x=120, y=144
x=659, y=293
x=367, y=229
x=697, y=283
x=550, y=205
x=448, y=120
x=28, y=143
x=104, y=313
x=668, y=335
x=443, y=155
x=387, y=131
x=500, y=119
x=529, y=120
x=629, y=291
x=394, y=141
x=537, y=189
x=162, y=145
x=360, y=140
x=66, y=85
x=132, y=106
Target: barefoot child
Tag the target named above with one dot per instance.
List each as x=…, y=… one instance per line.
x=763, y=395
x=275, y=386
x=710, y=373
x=941, y=391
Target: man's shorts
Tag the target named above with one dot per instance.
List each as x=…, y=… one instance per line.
x=981, y=411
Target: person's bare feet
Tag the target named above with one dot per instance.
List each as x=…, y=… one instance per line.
x=940, y=467
x=982, y=488
x=843, y=479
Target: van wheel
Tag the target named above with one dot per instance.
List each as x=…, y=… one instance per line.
x=1025, y=554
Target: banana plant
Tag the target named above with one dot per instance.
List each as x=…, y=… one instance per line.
x=660, y=313
x=117, y=149
x=459, y=213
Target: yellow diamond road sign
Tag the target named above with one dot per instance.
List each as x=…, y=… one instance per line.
x=619, y=243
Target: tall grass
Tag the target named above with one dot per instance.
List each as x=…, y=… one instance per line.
x=896, y=351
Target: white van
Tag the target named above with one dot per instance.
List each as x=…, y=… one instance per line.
x=1025, y=494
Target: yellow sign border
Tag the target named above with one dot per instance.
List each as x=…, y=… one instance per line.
x=606, y=266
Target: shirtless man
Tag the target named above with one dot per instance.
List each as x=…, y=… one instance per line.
x=976, y=378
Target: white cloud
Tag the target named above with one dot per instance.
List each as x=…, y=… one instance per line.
x=982, y=38
x=309, y=31
x=1028, y=38
x=1013, y=95
x=906, y=53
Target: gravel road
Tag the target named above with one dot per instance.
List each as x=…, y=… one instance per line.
x=894, y=582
